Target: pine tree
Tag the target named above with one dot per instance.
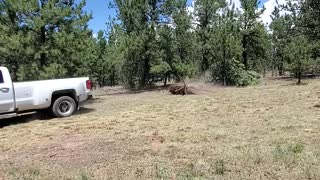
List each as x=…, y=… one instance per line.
x=145, y=22
x=176, y=45
x=162, y=67
x=113, y=56
x=60, y=30
x=251, y=32
x=207, y=15
x=183, y=66
x=51, y=36
x=299, y=56
x=280, y=36
x=301, y=22
x=310, y=25
x=134, y=19
x=15, y=40
x=225, y=41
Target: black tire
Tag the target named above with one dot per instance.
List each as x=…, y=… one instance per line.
x=63, y=107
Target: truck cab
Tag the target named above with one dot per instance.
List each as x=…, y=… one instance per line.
x=61, y=96
x=7, y=96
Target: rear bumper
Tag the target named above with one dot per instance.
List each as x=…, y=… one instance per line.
x=89, y=100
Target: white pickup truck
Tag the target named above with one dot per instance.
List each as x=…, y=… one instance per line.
x=61, y=96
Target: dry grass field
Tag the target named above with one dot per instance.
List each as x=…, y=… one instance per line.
x=270, y=131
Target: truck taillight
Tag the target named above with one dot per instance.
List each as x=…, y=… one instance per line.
x=88, y=83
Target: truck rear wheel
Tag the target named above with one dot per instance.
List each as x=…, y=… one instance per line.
x=63, y=106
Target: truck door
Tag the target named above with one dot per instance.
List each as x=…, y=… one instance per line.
x=7, y=103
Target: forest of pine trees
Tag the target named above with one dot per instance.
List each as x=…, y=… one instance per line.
x=159, y=41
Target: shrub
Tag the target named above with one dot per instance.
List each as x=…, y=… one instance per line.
x=234, y=74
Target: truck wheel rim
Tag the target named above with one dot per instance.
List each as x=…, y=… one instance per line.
x=65, y=107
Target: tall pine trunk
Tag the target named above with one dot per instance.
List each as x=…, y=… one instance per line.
x=43, y=41
x=165, y=80
x=281, y=68
x=146, y=71
x=299, y=75
x=245, y=53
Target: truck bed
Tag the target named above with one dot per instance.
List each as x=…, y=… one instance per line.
x=37, y=94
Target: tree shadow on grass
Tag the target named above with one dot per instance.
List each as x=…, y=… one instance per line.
x=38, y=116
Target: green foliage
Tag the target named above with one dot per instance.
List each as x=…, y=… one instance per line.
x=28, y=72
x=299, y=56
x=53, y=71
x=237, y=75
x=207, y=13
x=252, y=33
x=157, y=40
x=182, y=65
x=220, y=167
x=161, y=68
x=133, y=61
x=84, y=176
x=296, y=38
x=151, y=50
x=288, y=151
x=226, y=66
x=45, y=35
x=310, y=24
x=162, y=171
x=296, y=148
x=280, y=26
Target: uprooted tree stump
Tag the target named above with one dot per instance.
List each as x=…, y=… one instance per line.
x=180, y=90
x=177, y=89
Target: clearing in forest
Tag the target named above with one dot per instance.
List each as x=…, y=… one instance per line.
x=270, y=131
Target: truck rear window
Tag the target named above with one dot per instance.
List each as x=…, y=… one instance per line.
x=1, y=77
